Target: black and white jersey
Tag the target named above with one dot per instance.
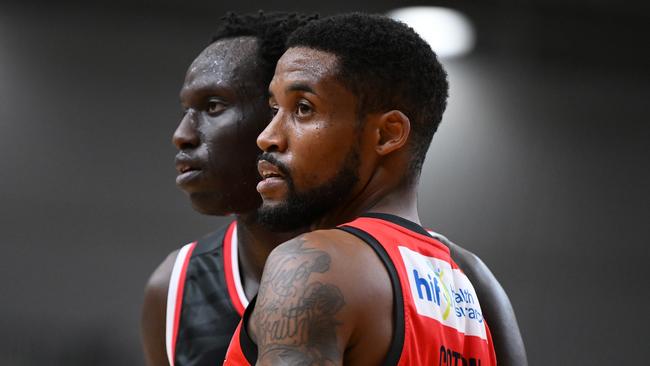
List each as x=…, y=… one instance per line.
x=205, y=300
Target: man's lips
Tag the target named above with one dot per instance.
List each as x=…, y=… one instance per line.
x=268, y=170
x=187, y=168
x=185, y=164
x=272, y=179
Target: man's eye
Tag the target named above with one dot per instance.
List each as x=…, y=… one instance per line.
x=215, y=106
x=303, y=109
x=274, y=110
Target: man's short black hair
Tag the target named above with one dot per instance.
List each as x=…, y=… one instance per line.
x=271, y=30
x=388, y=66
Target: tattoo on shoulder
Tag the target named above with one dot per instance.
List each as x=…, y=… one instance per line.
x=294, y=317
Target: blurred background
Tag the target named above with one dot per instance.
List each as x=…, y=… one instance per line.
x=541, y=167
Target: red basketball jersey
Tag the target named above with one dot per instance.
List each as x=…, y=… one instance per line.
x=437, y=315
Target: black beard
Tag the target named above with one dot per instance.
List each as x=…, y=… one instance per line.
x=302, y=209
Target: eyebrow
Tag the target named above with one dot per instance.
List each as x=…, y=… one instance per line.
x=203, y=90
x=297, y=87
x=301, y=87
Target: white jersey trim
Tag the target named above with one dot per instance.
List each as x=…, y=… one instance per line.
x=234, y=260
x=172, y=300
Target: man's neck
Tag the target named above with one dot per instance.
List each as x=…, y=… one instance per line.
x=399, y=200
x=402, y=204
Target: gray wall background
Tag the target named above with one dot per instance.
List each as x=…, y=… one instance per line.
x=540, y=167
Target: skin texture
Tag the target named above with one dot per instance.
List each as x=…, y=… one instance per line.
x=222, y=104
x=322, y=292
x=225, y=107
x=306, y=314
x=310, y=117
x=154, y=309
x=310, y=304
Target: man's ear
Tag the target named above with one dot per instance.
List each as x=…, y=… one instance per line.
x=394, y=128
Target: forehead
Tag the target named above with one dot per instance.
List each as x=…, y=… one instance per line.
x=306, y=65
x=226, y=61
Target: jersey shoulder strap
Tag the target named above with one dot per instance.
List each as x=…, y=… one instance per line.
x=175, y=298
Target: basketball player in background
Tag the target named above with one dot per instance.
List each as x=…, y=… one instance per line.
x=195, y=298
x=356, y=101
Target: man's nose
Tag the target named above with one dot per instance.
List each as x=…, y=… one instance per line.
x=272, y=139
x=186, y=136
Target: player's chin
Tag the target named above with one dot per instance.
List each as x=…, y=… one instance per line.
x=271, y=203
x=279, y=216
x=275, y=196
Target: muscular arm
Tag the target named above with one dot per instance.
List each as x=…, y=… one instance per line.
x=309, y=310
x=295, y=318
x=152, y=325
x=497, y=310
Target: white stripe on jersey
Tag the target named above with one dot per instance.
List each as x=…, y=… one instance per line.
x=172, y=300
x=234, y=260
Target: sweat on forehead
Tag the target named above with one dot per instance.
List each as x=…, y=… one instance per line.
x=228, y=53
x=232, y=61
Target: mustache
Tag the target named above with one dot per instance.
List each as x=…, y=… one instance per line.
x=273, y=160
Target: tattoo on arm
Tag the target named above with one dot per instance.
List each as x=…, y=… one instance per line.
x=294, y=318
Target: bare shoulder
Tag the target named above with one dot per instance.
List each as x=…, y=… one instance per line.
x=350, y=262
x=309, y=306
x=159, y=280
x=496, y=306
x=154, y=312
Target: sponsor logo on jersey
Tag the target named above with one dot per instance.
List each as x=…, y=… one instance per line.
x=442, y=293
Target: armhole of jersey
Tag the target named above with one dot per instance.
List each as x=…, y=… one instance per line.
x=397, y=342
x=248, y=347
x=231, y=270
x=175, y=299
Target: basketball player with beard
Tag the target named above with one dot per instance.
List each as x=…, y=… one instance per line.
x=195, y=298
x=356, y=101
